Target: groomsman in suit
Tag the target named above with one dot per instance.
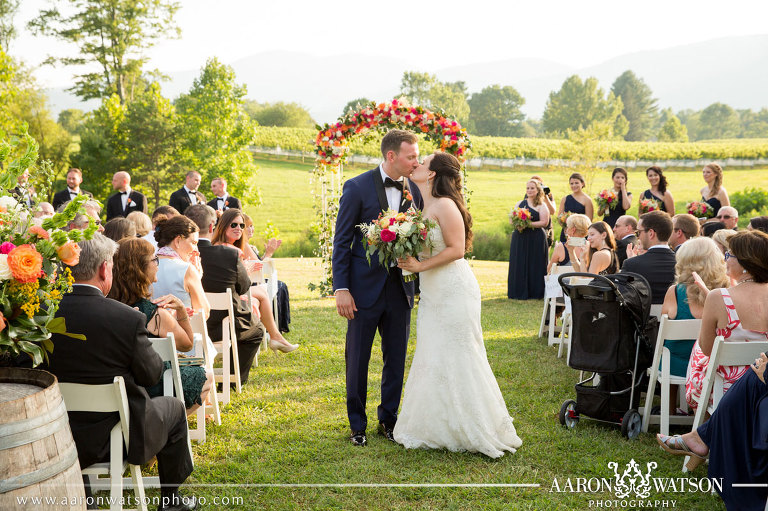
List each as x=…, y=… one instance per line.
x=116, y=344
x=188, y=194
x=74, y=180
x=24, y=192
x=657, y=264
x=126, y=200
x=368, y=296
x=222, y=201
x=624, y=231
x=684, y=227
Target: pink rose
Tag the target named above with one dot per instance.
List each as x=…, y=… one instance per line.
x=6, y=247
x=387, y=235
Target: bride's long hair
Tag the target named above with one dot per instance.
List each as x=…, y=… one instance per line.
x=447, y=183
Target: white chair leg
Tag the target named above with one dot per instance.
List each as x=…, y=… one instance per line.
x=664, y=413
x=552, y=317
x=543, y=317
x=138, y=487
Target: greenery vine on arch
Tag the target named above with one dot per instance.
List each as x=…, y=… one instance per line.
x=332, y=148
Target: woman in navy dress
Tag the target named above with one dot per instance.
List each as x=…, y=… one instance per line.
x=528, y=249
x=713, y=193
x=658, y=190
x=620, y=179
x=577, y=202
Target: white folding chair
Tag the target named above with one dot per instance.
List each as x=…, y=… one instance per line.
x=566, y=330
x=110, y=397
x=205, y=349
x=670, y=330
x=552, y=292
x=267, y=276
x=725, y=354
x=228, y=341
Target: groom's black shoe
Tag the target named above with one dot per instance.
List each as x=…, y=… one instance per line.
x=358, y=438
x=387, y=431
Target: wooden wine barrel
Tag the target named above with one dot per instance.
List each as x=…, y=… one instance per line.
x=38, y=459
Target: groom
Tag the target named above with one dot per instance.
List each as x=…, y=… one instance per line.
x=369, y=296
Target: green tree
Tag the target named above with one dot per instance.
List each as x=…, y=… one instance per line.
x=754, y=124
x=495, y=111
x=426, y=90
x=690, y=118
x=672, y=130
x=579, y=105
x=9, y=89
x=215, y=130
x=718, y=121
x=114, y=34
x=71, y=119
x=8, y=9
x=289, y=115
x=639, y=106
x=355, y=105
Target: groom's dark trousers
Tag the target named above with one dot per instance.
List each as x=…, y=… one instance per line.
x=383, y=300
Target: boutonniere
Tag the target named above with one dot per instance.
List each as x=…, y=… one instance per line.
x=406, y=195
x=128, y=201
x=226, y=203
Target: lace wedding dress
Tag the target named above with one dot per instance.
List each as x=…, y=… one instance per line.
x=452, y=400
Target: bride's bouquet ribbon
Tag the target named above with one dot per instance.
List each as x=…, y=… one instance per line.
x=396, y=235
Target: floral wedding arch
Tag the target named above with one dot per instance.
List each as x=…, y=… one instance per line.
x=332, y=147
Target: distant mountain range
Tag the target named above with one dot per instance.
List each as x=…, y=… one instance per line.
x=729, y=70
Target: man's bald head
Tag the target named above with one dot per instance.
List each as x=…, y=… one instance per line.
x=121, y=180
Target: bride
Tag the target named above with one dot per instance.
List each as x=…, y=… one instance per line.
x=451, y=399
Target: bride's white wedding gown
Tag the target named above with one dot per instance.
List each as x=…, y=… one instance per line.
x=452, y=400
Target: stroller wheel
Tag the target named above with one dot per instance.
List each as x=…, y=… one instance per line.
x=631, y=424
x=568, y=416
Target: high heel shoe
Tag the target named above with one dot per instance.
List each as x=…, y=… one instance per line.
x=276, y=345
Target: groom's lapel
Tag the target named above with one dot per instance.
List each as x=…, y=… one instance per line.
x=405, y=203
x=379, y=184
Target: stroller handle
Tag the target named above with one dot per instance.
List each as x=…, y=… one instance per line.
x=567, y=287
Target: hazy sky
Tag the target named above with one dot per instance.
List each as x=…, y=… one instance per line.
x=432, y=34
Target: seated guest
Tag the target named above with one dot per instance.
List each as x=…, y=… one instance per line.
x=685, y=299
x=736, y=313
x=624, y=231
x=734, y=442
x=711, y=227
x=576, y=226
x=759, y=223
x=229, y=231
x=657, y=264
x=119, y=228
x=283, y=301
x=601, y=257
x=188, y=194
x=81, y=220
x=729, y=217
x=721, y=238
x=684, y=227
x=126, y=199
x=179, y=273
x=134, y=271
x=74, y=179
x=116, y=344
x=44, y=210
x=224, y=269
x=222, y=201
x=160, y=213
x=141, y=222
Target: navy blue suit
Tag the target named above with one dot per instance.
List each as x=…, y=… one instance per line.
x=384, y=301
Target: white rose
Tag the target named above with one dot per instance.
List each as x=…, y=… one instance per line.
x=403, y=228
x=5, y=270
x=8, y=202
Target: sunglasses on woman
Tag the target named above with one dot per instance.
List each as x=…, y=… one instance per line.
x=235, y=225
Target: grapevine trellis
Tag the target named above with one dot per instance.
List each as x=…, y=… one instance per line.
x=331, y=148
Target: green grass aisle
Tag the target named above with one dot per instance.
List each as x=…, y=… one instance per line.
x=289, y=425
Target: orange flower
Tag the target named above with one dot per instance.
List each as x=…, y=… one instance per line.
x=39, y=232
x=26, y=263
x=69, y=253
x=2, y=322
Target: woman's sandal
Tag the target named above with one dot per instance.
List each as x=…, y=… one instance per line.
x=680, y=448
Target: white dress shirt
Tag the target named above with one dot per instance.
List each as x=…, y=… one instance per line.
x=192, y=196
x=221, y=201
x=394, y=196
x=124, y=197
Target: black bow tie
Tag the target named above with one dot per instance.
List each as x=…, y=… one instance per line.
x=192, y=192
x=396, y=184
x=123, y=193
x=220, y=198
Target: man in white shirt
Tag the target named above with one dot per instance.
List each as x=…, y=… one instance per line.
x=126, y=200
x=222, y=200
x=74, y=180
x=188, y=194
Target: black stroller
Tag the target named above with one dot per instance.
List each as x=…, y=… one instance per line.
x=613, y=336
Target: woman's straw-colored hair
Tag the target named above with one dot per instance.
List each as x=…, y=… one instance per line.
x=702, y=256
x=580, y=224
x=722, y=236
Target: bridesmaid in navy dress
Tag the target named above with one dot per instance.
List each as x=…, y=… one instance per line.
x=528, y=249
x=577, y=202
x=658, y=190
x=620, y=179
x=714, y=194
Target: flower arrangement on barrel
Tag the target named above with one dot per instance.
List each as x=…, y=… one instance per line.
x=700, y=209
x=34, y=260
x=396, y=235
x=520, y=218
x=606, y=199
x=647, y=205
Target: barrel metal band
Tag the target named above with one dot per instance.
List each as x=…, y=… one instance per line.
x=66, y=460
x=33, y=429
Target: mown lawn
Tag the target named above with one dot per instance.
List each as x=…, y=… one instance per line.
x=289, y=425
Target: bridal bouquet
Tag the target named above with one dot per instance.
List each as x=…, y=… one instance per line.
x=607, y=199
x=396, y=235
x=520, y=218
x=562, y=218
x=700, y=209
x=647, y=205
